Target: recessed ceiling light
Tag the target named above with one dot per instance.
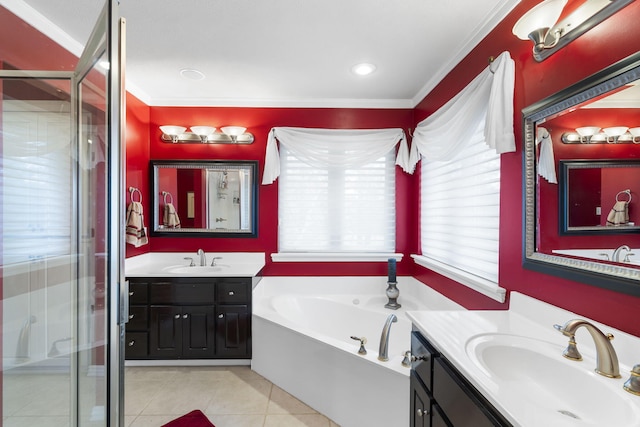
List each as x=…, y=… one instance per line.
x=191, y=74
x=363, y=69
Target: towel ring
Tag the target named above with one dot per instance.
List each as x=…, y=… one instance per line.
x=627, y=192
x=132, y=191
x=165, y=194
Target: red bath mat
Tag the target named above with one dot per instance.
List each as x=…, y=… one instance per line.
x=192, y=419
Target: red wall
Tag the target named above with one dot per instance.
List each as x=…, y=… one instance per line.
x=259, y=121
x=609, y=42
x=137, y=160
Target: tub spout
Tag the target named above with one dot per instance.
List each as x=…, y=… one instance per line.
x=383, y=352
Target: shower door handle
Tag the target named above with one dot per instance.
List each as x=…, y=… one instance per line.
x=124, y=303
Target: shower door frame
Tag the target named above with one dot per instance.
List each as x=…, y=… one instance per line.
x=107, y=38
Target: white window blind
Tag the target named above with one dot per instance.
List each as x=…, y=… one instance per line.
x=336, y=209
x=460, y=209
x=36, y=184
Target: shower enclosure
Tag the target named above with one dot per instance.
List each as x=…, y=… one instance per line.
x=61, y=247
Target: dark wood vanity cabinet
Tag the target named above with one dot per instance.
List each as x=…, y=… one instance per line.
x=441, y=396
x=189, y=318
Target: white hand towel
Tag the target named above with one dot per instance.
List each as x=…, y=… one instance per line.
x=546, y=161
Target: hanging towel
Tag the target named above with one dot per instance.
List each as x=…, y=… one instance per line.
x=546, y=161
x=136, y=232
x=619, y=214
x=170, y=218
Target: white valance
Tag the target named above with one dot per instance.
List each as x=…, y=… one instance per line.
x=488, y=98
x=344, y=148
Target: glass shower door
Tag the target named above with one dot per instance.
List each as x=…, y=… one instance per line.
x=61, y=254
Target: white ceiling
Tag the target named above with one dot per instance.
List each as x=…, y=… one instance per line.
x=281, y=53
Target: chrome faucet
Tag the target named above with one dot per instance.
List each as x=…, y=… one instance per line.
x=203, y=257
x=616, y=253
x=383, y=352
x=606, y=357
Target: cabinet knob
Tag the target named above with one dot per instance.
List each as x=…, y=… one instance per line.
x=420, y=412
x=416, y=358
x=131, y=316
x=177, y=316
x=131, y=343
x=131, y=294
x=220, y=316
x=184, y=316
x=231, y=293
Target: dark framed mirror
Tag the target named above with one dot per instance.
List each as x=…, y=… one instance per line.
x=204, y=198
x=597, y=196
x=607, y=99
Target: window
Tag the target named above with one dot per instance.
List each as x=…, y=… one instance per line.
x=460, y=147
x=460, y=211
x=36, y=184
x=336, y=209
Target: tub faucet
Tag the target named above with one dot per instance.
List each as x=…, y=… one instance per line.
x=383, y=352
x=606, y=357
x=616, y=253
x=203, y=257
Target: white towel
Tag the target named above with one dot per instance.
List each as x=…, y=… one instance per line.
x=546, y=161
x=136, y=232
x=170, y=218
x=619, y=214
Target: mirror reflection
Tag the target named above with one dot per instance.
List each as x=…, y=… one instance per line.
x=576, y=185
x=213, y=197
x=596, y=196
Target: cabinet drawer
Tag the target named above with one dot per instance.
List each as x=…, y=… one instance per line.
x=137, y=318
x=424, y=355
x=462, y=404
x=138, y=292
x=182, y=293
x=234, y=291
x=136, y=345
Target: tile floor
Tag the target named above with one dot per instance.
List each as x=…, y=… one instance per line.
x=230, y=396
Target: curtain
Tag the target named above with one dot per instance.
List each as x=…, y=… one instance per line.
x=343, y=148
x=488, y=98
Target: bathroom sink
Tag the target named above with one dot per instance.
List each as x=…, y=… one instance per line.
x=534, y=375
x=195, y=270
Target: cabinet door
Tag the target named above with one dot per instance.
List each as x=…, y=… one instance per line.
x=165, y=331
x=462, y=405
x=232, y=331
x=420, y=403
x=198, y=332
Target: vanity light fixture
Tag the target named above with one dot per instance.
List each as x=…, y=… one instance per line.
x=609, y=135
x=540, y=24
x=233, y=132
x=173, y=132
x=203, y=132
x=206, y=135
x=615, y=133
x=537, y=25
x=587, y=132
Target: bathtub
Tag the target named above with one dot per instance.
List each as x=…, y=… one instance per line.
x=301, y=329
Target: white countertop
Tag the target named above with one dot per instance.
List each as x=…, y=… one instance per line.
x=159, y=264
x=451, y=332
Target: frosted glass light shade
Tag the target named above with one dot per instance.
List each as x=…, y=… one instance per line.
x=543, y=15
x=634, y=131
x=615, y=131
x=233, y=130
x=588, y=130
x=172, y=129
x=203, y=130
